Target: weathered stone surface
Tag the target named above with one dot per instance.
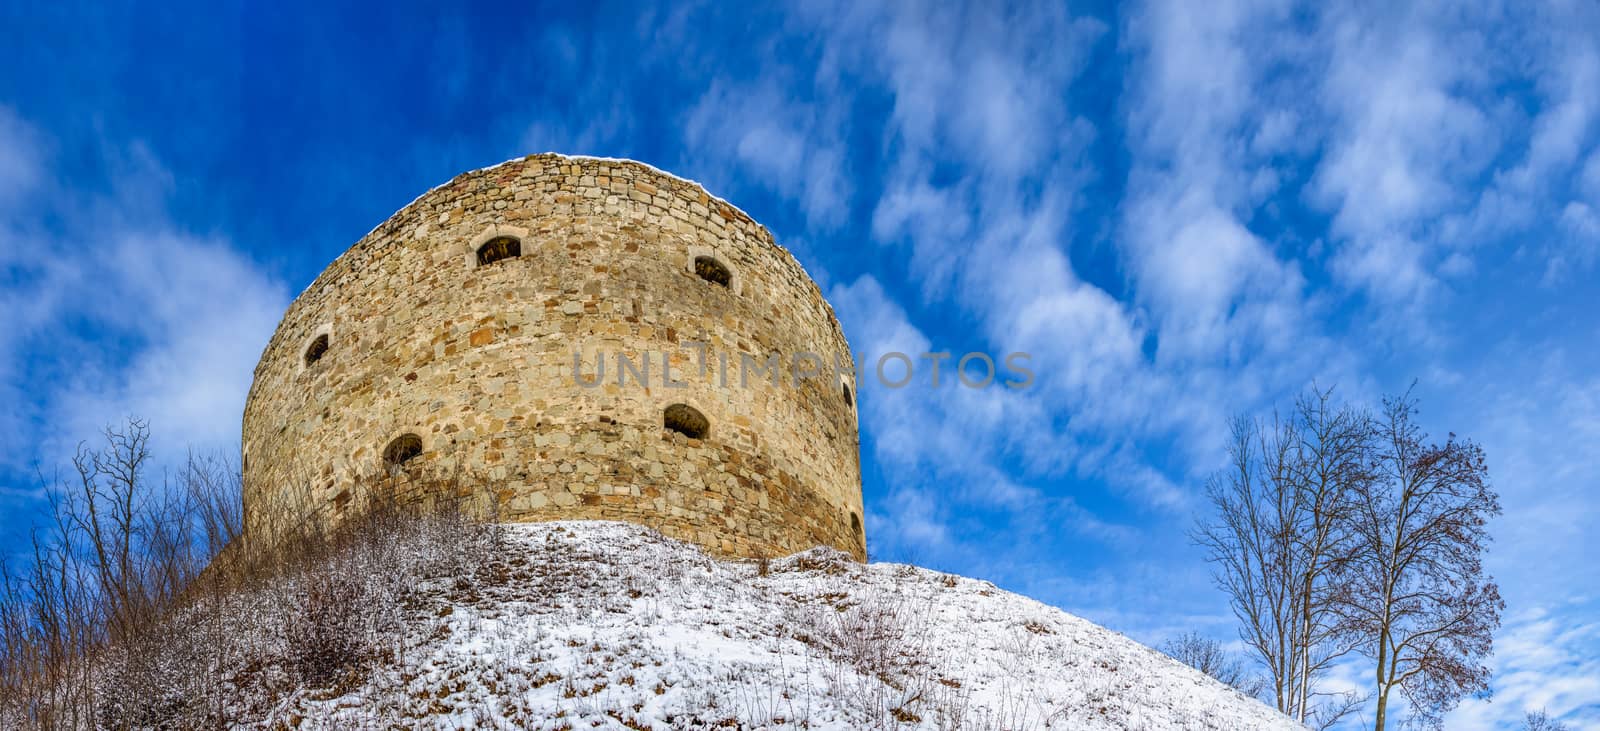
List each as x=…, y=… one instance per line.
x=477, y=361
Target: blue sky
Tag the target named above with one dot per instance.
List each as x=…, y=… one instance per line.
x=1182, y=210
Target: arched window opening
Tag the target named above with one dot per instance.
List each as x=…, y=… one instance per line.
x=403, y=449
x=713, y=271
x=686, y=420
x=855, y=523
x=497, y=248
x=849, y=399
x=316, y=349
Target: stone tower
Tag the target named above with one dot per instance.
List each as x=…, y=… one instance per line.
x=437, y=357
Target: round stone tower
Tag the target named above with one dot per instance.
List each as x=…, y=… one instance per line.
x=564, y=338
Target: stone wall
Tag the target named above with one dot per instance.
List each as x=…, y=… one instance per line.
x=477, y=362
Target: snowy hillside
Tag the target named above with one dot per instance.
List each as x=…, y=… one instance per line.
x=608, y=625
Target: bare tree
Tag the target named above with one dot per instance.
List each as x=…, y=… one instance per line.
x=1328, y=464
x=1541, y=721
x=118, y=552
x=1281, y=532
x=1415, y=590
x=1208, y=656
x=212, y=485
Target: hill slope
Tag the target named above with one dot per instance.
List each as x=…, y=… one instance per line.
x=608, y=625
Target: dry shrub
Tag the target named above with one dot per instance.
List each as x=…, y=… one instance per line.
x=324, y=638
x=145, y=606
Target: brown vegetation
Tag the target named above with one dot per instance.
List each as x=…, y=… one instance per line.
x=143, y=605
x=1339, y=531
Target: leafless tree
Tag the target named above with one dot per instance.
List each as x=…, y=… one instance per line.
x=1415, y=591
x=212, y=486
x=1208, y=656
x=118, y=550
x=144, y=603
x=1541, y=721
x=1338, y=531
x=1281, y=533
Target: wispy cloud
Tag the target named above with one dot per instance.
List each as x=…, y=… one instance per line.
x=1407, y=131
x=789, y=147
x=1182, y=211
x=114, y=310
x=924, y=441
x=1543, y=661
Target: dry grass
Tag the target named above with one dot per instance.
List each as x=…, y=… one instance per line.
x=132, y=614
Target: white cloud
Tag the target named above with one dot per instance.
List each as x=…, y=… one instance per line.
x=1204, y=130
x=1217, y=130
x=1565, y=124
x=791, y=147
x=1582, y=222
x=1245, y=124
x=1534, y=407
x=116, y=311
x=1309, y=194
x=1589, y=179
x=202, y=314
x=1540, y=663
x=1199, y=268
x=931, y=443
x=966, y=84
x=20, y=167
x=1438, y=152
x=1532, y=403
x=1405, y=136
x=978, y=187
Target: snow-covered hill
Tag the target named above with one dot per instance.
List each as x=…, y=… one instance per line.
x=608, y=625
